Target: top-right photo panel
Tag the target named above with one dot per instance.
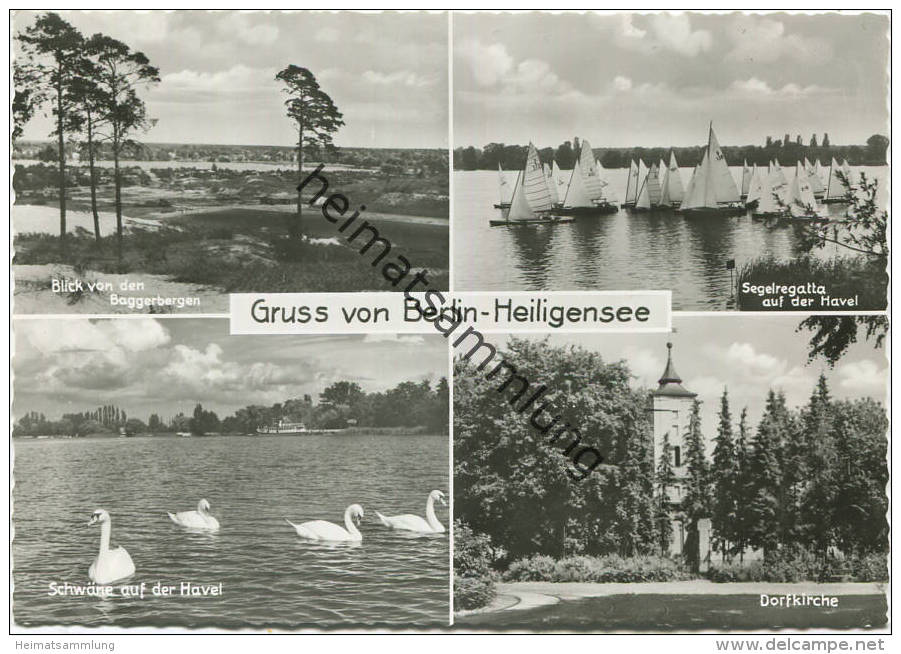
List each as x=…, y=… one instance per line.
x=738, y=160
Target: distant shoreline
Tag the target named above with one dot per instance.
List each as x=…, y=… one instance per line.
x=353, y=431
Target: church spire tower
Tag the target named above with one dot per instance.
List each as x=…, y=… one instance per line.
x=671, y=405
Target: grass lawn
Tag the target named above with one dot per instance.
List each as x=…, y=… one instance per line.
x=683, y=613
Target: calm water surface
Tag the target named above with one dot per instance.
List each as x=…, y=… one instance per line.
x=270, y=577
x=624, y=251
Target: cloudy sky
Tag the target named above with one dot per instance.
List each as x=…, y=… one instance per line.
x=167, y=366
x=386, y=72
x=747, y=355
x=646, y=80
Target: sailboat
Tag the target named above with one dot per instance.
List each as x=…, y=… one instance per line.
x=755, y=187
x=745, y=179
x=560, y=179
x=636, y=171
x=672, y=193
x=770, y=197
x=585, y=193
x=815, y=182
x=835, y=188
x=503, y=204
x=802, y=202
x=713, y=192
x=531, y=202
x=649, y=197
x=551, y=184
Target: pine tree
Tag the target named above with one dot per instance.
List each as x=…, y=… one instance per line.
x=818, y=497
x=696, y=504
x=825, y=140
x=742, y=485
x=664, y=479
x=724, y=477
x=765, y=507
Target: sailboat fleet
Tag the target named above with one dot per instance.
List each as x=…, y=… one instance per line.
x=546, y=194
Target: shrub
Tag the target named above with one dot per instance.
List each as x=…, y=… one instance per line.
x=473, y=576
x=472, y=592
x=797, y=564
x=598, y=569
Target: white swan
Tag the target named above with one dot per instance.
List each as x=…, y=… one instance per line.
x=110, y=565
x=324, y=530
x=199, y=519
x=410, y=522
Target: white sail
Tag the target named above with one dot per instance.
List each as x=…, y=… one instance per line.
x=697, y=187
x=653, y=184
x=672, y=192
x=632, y=183
x=535, y=184
x=777, y=168
x=519, y=208
x=846, y=169
x=818, y=170
x=721, y=187
x=642, y=173
x=745, y=178
x=552, y=185
x=643, y=201
x=815, y=182
x=561, y=181
x=801, y=198
x=755, y=186
x=774, y=194
x=576, y=194
x=502, y=185
x=835, y=190
x=605, y=186
x=591, y=177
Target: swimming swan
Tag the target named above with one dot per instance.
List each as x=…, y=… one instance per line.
x=199, y=519
x=324, y=530
x=110, y=565
x=410, y=522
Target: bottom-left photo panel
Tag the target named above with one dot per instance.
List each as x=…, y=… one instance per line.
x=168, y=474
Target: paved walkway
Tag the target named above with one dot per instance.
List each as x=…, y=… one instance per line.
x=521, y=595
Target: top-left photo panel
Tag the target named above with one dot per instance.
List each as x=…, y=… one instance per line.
x=162, y=160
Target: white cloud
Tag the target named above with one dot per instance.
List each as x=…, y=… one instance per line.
x=755, y=87
x=398, y=78
x=707, y=387
x=644, y=364
x=237, y=79
x=863, y=377
x=621, y=83
x=744, y=356
x=108, y=336
x=764, y=40
x=411, y=339
x=489, y=64
x=674, y=33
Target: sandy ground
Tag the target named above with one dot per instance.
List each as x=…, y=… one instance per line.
x=34, y=292
x=523, y=595
x=290, y=208
x=30, y=219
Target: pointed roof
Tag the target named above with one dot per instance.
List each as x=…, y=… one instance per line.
x=670, y=382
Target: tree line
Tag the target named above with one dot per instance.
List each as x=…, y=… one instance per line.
x=788, y=152
x=342, y=404
x=811, y=477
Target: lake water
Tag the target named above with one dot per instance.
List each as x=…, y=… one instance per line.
x=270, y=577
x=623, y=251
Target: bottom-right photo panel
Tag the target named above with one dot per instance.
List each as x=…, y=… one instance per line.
x=728, y=475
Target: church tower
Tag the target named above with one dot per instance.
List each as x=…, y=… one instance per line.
x=671, y=408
